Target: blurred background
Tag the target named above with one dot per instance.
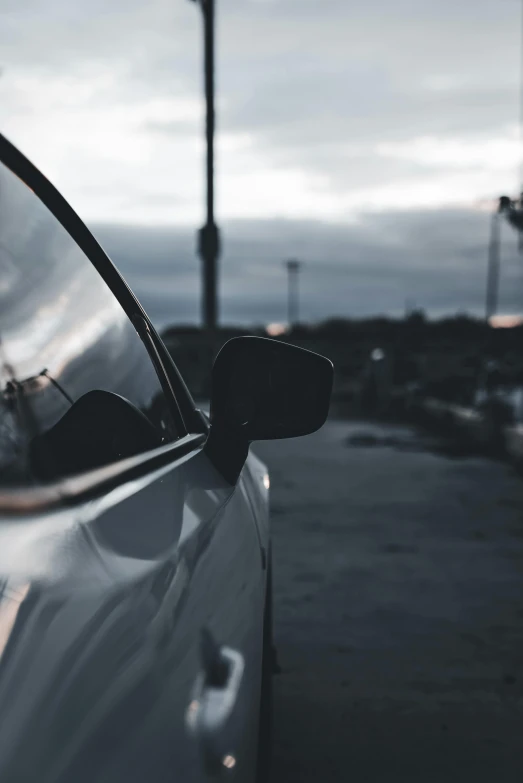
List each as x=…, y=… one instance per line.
x=362, y=149
x=367, y=141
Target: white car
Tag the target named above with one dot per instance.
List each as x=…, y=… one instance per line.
x=135, y=621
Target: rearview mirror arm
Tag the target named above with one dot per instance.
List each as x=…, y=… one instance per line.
x=227, y=450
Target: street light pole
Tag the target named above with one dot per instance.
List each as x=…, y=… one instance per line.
x=491, y=304
x=293, y=293
x=208, y=235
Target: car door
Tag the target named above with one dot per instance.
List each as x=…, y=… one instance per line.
x=127, y=562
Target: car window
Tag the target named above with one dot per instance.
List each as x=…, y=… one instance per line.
x=78, y=388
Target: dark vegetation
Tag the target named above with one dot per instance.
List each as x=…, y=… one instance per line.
x=445, y=357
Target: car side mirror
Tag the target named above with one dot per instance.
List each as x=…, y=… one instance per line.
x=264, y=390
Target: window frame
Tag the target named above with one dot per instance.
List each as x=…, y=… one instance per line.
x=187, y=418
x=72, y=491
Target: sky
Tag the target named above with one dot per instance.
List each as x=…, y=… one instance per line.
x=367, y=139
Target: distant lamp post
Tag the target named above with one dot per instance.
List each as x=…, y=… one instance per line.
x=293, y=292
x=491, y=300
x=208, y=235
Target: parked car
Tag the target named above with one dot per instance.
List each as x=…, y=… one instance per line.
x=135, y=560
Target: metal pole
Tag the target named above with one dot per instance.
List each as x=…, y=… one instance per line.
x=208, y=237
x=520, y=183
x=491, y=305
x=293, y=268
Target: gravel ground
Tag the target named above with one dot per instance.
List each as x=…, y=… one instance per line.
x=398, y=577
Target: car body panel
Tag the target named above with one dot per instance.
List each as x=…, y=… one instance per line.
x=256, y=476
x=100, y=619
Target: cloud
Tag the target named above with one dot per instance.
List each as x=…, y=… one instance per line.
x=436, y=258
x=319, y=104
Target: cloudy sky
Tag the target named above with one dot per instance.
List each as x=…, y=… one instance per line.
x=365, y=138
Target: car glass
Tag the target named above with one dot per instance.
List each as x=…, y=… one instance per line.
x=77, y=386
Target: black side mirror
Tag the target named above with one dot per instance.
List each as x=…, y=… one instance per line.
x=263, y=390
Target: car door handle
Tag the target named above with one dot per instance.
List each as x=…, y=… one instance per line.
x=214, y=698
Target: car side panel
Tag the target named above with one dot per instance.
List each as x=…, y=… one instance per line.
x=256, y=477
x=100, y=622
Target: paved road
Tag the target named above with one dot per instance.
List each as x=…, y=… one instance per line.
x=398, y=611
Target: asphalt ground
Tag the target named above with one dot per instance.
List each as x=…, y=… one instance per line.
x=398, y=610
